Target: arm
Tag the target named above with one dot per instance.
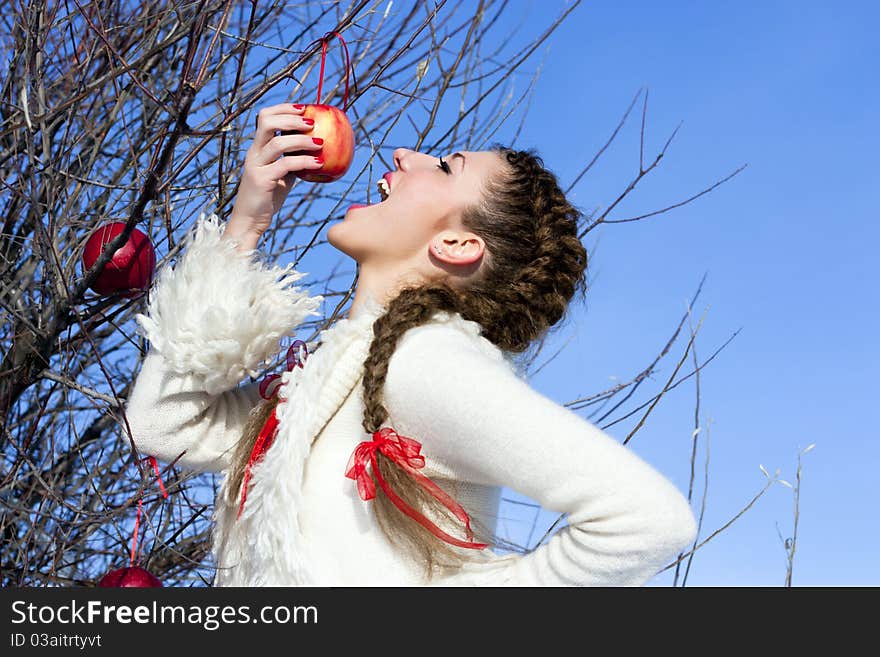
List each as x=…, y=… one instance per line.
x=475, y=415
x=213, y=319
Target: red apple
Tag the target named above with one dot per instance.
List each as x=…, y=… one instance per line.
x=131, y=269
x=333, y=126
x=133, y=576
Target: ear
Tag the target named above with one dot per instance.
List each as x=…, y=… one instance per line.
x=456, y=248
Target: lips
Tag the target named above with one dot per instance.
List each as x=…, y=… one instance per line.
x=388, y=176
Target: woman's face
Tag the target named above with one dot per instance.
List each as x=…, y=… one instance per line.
x=421, y=214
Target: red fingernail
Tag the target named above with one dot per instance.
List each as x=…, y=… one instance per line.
x=298, y=107
x=318, y=140
x=309, y=121
x=319, y=160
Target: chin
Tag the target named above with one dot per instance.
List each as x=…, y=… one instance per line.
x=336, y=239
x=346, y=243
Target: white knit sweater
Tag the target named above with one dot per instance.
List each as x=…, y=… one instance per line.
x=217, y=317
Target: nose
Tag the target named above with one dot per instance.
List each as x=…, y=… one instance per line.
x=405, y=159
x=400, y=156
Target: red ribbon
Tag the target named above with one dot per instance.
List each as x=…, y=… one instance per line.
x=134, y=539
x=263, y=442
x=294, y=359
x=267, y=434
x=137, y=520
x=324, y=40
x=405, y=452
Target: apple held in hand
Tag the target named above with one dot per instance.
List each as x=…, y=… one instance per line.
x=133, y=576
x=130, y=271
x=331, y=125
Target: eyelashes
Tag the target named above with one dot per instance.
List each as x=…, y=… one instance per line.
x=444, y=166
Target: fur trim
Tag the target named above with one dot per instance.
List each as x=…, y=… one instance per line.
x=220, y=313
x=265, y=546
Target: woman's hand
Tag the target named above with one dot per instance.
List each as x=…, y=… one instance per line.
x=268, y=173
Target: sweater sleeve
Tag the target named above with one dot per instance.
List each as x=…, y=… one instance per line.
x=212, y=320
x=477, y=417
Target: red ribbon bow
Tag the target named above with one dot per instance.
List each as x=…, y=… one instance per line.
x=405, y=452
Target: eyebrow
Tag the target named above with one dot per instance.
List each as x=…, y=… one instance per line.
x=463, y=160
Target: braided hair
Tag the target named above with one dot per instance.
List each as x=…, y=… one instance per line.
x=533, y=264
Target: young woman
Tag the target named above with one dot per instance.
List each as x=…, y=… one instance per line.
x=380, y=456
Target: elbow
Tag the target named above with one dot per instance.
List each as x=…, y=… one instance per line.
x=689, y=526
x=169, y=448
x=673, y=526
x=150, y=440
x=683, y=529
x=142, y=419
x=143, y=435
x=178, y=447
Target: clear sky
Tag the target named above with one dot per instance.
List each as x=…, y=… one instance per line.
x=790, y=89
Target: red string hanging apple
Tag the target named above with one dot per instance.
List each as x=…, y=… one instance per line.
x=133, y=575
x=330, y=124
x=130, y=270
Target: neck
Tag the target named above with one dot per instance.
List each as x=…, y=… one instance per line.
x=364, y=301
x=375, y=288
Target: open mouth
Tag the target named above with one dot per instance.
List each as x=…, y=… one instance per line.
x=384, y=193
x=384, y=189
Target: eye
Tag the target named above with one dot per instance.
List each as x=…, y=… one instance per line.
x=444, y=166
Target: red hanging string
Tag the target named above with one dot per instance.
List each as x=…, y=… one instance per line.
x=405, y=452
x=137, y=520
x=158, y=476
x=323, y=41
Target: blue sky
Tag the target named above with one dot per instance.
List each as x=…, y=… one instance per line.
x=788, y=88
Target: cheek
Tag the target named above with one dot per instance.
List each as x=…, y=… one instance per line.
x=397, y=234
x=421, y=211
x=428, y=194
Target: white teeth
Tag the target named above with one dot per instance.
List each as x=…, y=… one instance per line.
x=384, y=189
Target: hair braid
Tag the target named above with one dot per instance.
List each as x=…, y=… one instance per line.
x=535, y=296
x=413, y=306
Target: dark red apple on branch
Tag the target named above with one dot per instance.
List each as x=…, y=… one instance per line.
x=131, y=576
x=130, y=271
x=331, y=125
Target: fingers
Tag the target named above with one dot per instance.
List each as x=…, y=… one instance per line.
x=278, y=117
x=287, y=145
x=283, y=167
